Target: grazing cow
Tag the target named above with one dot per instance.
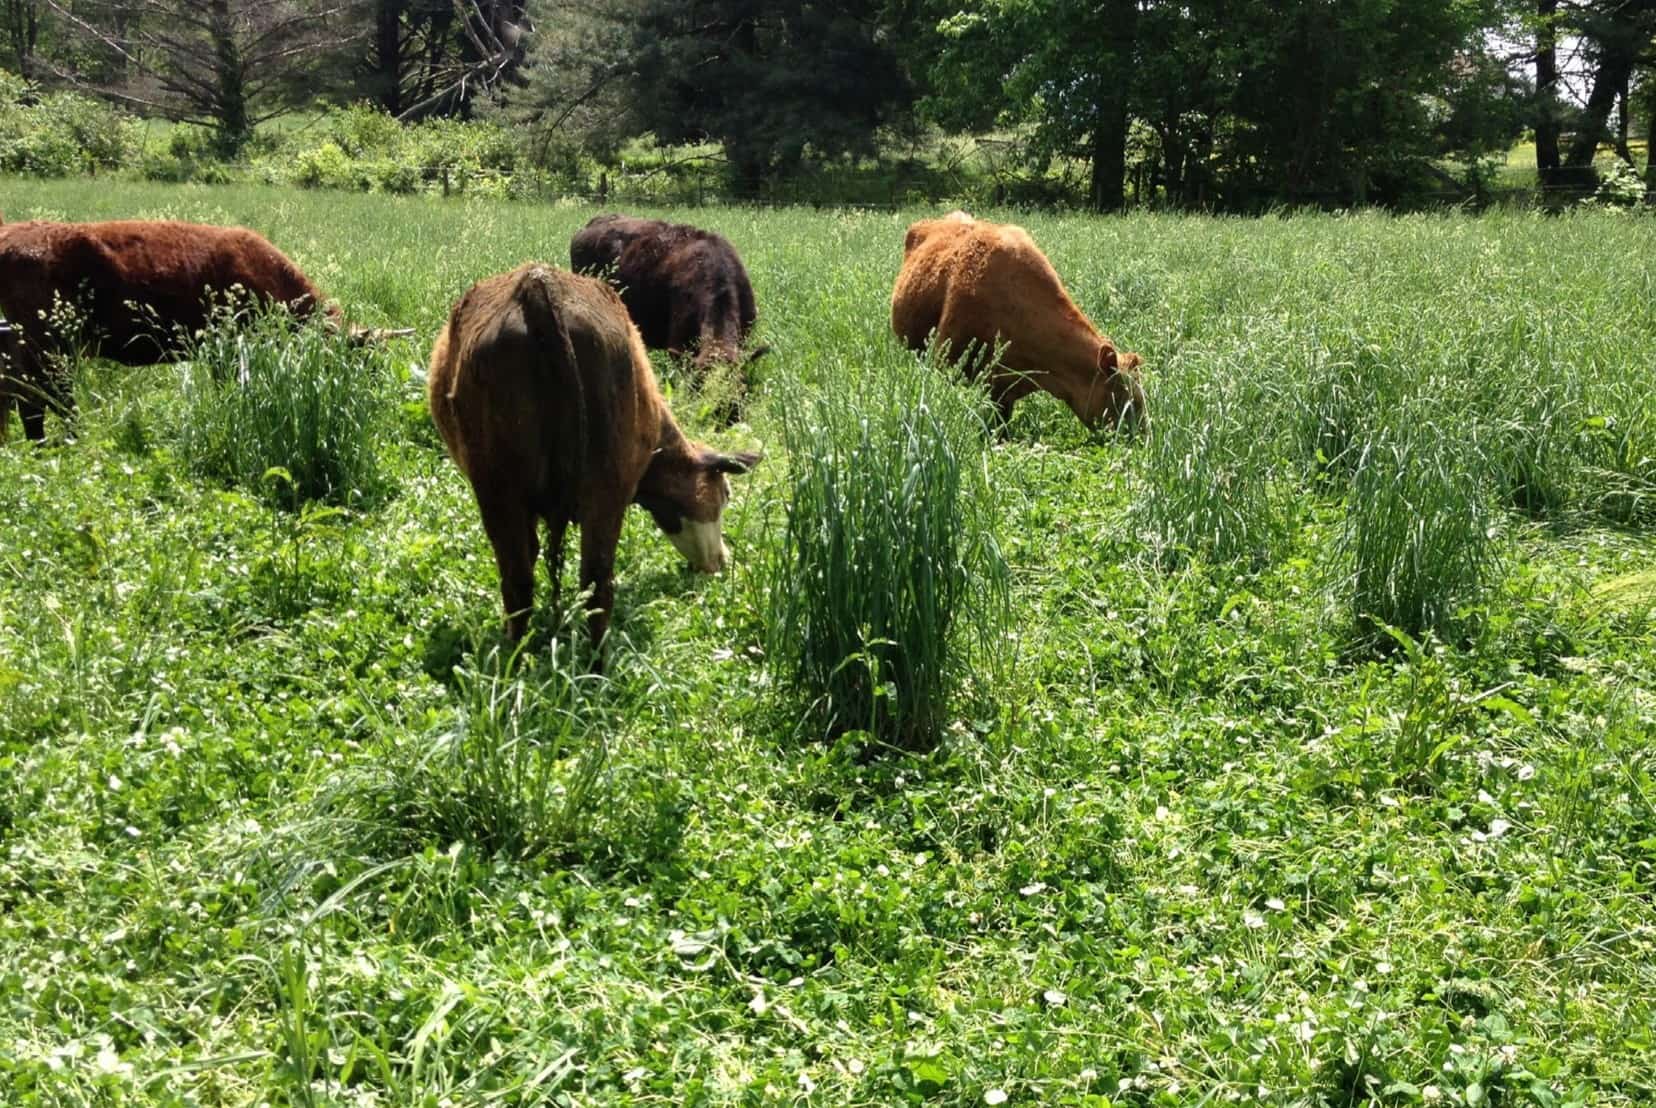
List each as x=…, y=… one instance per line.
x=685, y=288
x=975, y=282
x=136, y=290
x=542, y=392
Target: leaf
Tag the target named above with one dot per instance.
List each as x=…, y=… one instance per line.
x=1511, y=707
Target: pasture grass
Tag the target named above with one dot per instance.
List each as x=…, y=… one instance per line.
x=281, y=821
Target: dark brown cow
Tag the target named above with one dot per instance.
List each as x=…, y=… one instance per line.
x=685, y=288
x=138, y=290
x=977, y=284
x=542, y=392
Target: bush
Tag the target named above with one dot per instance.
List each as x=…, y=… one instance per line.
x=327, y=166
x=890, y=572
x=265, y=393
x=62, y=133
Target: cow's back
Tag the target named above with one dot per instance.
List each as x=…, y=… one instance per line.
x=540, y=389
x=140, y=287
x=596, y=247
x=977, y=282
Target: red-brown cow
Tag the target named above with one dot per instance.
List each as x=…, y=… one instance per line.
x=541, y=390
x=136, y=290
x=979, y=284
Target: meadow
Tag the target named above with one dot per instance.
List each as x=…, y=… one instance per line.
x=1306, y=755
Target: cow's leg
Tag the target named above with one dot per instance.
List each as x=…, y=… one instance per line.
x=557, y=526
x=600, y=534
x=33, y=412
x=1005, y=390
x=511, y=530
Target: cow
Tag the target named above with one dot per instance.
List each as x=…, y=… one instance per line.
x=134, y=291
x=542, y=392
x=684, y=287
x=979, y=285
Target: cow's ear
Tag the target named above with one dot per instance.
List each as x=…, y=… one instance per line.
x=735, y=463
x=1107, y=358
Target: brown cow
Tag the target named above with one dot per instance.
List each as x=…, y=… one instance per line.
x=684, y=287
x=978, y=283
x=137, y=289
x=543, y=394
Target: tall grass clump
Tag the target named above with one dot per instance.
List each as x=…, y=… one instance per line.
x=889, y=588
x=1341, y=389
x=514, y=771
x=261, y=393
x=1210, y=485
x=1417, y=543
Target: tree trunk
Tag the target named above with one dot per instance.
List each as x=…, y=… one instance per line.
x=388, y=55
x=1614, y=69
x=1109, y=135
x=1547, y=127
x=230, y=106
x=1650, y=137
x=1623, y=122
x=23, y=29
x=1109, y=154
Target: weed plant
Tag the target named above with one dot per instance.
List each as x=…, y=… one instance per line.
x=261, y=394
x=890, y=579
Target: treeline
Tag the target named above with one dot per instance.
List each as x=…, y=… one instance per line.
x=1220, y=104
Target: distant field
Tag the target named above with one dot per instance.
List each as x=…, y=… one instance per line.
x=1518, y=168
x=1216, y=837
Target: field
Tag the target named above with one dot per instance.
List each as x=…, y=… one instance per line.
x=1313, y=765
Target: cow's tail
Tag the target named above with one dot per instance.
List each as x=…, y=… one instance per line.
x=544, y=320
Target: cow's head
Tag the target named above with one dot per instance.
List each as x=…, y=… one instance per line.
x=1115, y=393
x=685, y=491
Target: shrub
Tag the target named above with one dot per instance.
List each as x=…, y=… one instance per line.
x=890, y=572
x=271, y=394
x=62, y=133
x=392, y=176
x=327, y=166
x=362, y=130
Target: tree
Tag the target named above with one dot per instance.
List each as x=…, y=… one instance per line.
x=458, y=53
x=774, y=82
x=1248, y=101
x=409, y=52
x=1065, y=67
x=1617, y=35
x=224, y=64
x=22, y=19
x=576, y=97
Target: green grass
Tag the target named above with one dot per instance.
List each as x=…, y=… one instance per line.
x=279, y=824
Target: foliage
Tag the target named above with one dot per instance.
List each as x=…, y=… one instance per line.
x=1199, y=845
x=889, y=580
x=263, y=394
x=60, y=133
x=778, y=85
